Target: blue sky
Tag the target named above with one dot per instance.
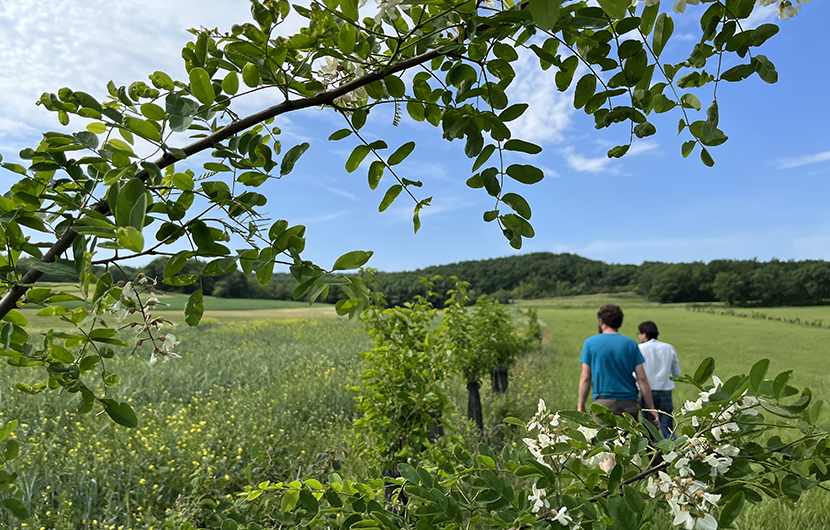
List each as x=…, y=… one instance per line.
x=765, y=197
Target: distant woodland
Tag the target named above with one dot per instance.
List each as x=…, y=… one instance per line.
x=544, y=275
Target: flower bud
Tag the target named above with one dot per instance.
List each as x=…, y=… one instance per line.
x=140, y=275
x=131, y=310
x=121, y=283
x=139, y=342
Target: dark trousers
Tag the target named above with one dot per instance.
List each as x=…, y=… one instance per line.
x=663, y=403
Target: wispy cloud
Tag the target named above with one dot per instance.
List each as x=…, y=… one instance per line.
x=789, y=163
x=550, y=111
x=602, y=164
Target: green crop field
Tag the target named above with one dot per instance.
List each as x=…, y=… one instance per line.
x=256, y=399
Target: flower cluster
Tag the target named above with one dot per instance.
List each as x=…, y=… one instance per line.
x=722, y=420
x=688, y=500
x=335, y=72
x=149, y=328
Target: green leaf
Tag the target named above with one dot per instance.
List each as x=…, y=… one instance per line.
x=230, y=85
x=291, y=158
x=121, y=413
x=391, y=194
x=765, y=69
x=706, y=158
x=349, y=9
x=484, y=156
x=7, y=429
x=339, y=135
x=738, y=72
x=644, y=129
x=394, y=86
x=408, y=473
x=16, y=507
x=513, y=112
x=663, y=29
x=616, y=9
x=352, y=260
x=757, y=373
x=522, y=146
x=518, y=203
x=195, y=308
x=544, y=13
x=346, y=38
x=375, y=173
x=621, y=514
x=704, y=370
x=690, y=101
x=130, y=238
x=731, y=509
x=585, y=89
x=357, y=156
x=183, y=181
x=525, y=174
x=250, y=75
x=648, y=17
x=201, y=86
x=289, y=500
x=401, y=153
x=687, y=148
x=16, y=317
x=143, y=128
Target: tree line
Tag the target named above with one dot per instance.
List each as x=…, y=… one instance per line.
x=544, y=275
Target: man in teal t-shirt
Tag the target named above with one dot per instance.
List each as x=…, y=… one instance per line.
x=608, y=360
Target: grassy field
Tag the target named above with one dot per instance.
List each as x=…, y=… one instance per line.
x=260, y=395
x=735, y=344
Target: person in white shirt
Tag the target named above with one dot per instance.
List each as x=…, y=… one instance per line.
x=661, y=363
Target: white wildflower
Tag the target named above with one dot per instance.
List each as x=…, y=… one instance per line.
x=562, y=516
x=680, y=7
x=786, y=10
x=387, y=10
x=587, y=432
x=539, y=499
x=684, y=518
x=719, y=465
x=707, y=522
x=691, y=406
x=728, y=450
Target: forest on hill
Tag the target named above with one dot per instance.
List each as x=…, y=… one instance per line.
x=544, y=275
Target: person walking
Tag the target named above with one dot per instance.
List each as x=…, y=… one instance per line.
x=660, y=363
x=608, y=360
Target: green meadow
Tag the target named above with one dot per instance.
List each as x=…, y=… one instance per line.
x=260, y=394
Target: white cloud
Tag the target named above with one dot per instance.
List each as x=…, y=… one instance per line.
x=600, y=164
x=582, y=163
x=550, y=111
x=760, y=15
x=790, y=163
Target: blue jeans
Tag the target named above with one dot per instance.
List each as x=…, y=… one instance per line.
x=663, y=403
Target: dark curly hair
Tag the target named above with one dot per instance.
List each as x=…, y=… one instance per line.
x=649, y=329
x=611, y=315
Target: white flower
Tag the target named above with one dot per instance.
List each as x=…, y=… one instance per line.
x=120, y=311
x=153, y=358
x=719, y=465
x=728, y=450
x=169, y=343
x=491, y=4
x=691, y=406
x=562, y=516
x=670, y=457
x=707, y=522
x=680, y=7
x=720, y=430
x=587, y=432
x=718, y=384
x=711, y=498
x=331, y=69
x=683, y=468
x=787, y=10
x=554, y=419
x=387, y=10
x=647, y=2
x=541, y=408
x=684, y=518
x=539, y=498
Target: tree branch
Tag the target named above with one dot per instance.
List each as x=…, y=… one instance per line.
x=9, y=300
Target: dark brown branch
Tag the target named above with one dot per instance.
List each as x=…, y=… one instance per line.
x=9, y=300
